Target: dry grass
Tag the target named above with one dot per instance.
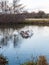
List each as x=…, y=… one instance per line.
x=3, y=60
x=41, y=61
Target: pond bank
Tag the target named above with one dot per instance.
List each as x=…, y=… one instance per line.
x=37, y=21
x=25, y=22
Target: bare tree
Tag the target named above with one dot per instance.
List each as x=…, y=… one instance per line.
x=4, y=6
x=1, y=6
x=14, y=8
x=17, y=7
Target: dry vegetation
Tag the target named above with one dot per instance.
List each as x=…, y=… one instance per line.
x=3, y=60
x=41, y=61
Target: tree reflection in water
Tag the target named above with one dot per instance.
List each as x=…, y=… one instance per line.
x=16, y=40
x=4, y=41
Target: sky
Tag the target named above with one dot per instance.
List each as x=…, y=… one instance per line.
x=35, y=5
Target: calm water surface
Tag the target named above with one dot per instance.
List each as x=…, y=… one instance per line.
x=23, y=49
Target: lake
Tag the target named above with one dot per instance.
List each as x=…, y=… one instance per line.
x=24, y=49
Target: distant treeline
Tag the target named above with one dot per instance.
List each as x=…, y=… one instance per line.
x=40, y=14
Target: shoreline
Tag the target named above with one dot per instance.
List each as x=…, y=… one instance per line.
x=38, y=22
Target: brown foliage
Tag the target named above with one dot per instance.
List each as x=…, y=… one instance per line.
x=11, y=18
x=42, y=60
x=3, y=60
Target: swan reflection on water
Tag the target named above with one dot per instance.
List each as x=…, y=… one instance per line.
x=26, y=34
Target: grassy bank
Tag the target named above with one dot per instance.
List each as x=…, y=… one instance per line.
x=40, y=22
x=37, y=21
x=33, y=22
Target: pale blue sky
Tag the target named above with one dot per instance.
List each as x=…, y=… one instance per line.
x=36, y=5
